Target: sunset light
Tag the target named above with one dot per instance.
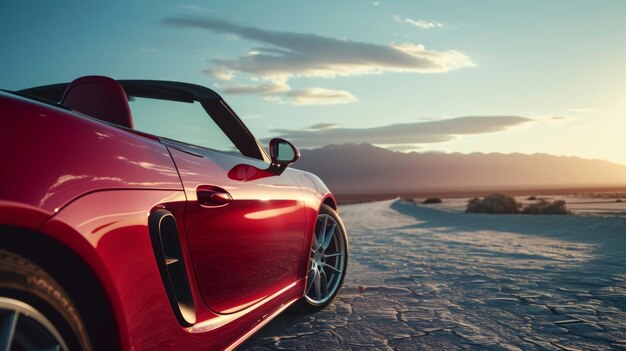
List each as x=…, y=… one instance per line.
x=313, y=175
x=361, y=66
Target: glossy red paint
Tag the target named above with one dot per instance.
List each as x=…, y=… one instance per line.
x=118, y=238
x=54, y=156
x=91, y=186
x=109, y=230
x=249, y=249
x=243, y=173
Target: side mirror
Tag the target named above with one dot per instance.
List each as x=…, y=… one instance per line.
x=282, y=153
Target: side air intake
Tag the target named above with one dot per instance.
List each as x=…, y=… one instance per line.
x=169, y=256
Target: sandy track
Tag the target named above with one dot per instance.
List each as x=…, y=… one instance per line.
x=430, y=279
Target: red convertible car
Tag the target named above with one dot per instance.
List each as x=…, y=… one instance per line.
x=143, y=215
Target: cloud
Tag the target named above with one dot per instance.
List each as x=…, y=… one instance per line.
x=265, y=88
x=322, y=126
x=320, y=96
x=282, y=56
x=221, y=74
x=559, y=119
x=423, y=24
x=402, y=136
x=286, y=54
x=281, y=92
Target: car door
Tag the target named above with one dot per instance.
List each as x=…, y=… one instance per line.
x=245, y=236
x=245, y=232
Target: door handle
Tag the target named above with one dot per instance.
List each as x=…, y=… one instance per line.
x=212, y=196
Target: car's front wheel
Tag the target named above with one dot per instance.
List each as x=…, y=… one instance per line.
x=327, y=262
x=35, y=312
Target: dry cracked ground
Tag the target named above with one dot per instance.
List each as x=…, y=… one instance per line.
x=430, y=279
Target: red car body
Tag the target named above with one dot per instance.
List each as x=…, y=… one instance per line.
x=77, y=196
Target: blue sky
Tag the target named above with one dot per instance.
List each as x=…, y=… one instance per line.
x=532, y=76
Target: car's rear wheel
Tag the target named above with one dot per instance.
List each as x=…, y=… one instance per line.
x=35, y=312
x=327, y=262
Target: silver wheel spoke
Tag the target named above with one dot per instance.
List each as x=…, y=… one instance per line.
x=328, y=237
x=311, y=280
x=323, y=231
x=15, y=336
x=318, y=286
x=324, y=283
x=8, y=332
x=334, y=254
x=332, y=268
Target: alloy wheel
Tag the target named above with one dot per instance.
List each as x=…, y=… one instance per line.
x=327, y=261
x=22, y=327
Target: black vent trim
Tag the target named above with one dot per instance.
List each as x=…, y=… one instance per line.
x=169, y=257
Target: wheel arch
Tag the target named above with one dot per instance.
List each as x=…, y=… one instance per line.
x=329, y=200
x=76, y=277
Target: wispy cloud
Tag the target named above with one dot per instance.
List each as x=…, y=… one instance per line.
x=322, y=126
x=221, y=74
x=405, y=136
x=557, y=120
x=280, y=91
x=423, y=24
x=320, y=96
x=265, y=88
x=282, y=56
x=287, y=54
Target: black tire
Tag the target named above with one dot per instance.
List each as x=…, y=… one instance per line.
x=25, y=283
x=309, y=302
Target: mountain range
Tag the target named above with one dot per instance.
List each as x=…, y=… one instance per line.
x=352, y=169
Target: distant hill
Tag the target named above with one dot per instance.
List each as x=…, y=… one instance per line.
x=365, y=169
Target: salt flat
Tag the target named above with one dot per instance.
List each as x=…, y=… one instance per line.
x=424, y=278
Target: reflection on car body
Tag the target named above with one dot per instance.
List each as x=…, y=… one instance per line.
x=139, y=214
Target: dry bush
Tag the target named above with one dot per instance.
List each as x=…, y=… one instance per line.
x=505, y=204
x=432, y=200
x=494, y=203
x=544, y=207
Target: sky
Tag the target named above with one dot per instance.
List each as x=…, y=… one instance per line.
x=445, y=76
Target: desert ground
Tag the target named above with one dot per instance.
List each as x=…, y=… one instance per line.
x=424, y=278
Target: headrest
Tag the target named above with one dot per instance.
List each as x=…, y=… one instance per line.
x=100, y=97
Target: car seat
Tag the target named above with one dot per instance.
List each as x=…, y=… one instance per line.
x=100, y=97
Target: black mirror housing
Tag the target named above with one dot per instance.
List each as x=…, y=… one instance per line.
x=282, y=153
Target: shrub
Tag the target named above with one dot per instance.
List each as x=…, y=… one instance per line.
x=432, y=200
x=544, y=207
x=531, y=198
x=494, y=203
x=618, y=200
x=408, y=199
